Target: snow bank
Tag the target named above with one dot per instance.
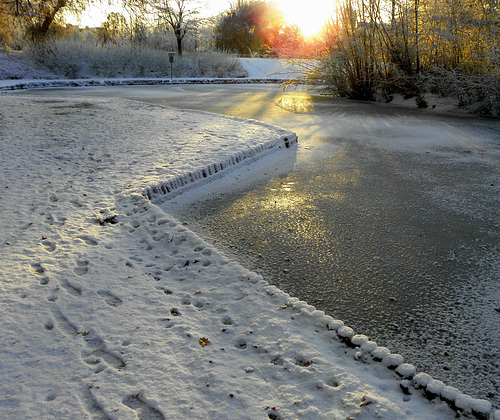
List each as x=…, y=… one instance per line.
x=15, y=65
x=16, y=74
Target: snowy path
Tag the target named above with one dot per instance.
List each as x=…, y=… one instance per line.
x=112, y=309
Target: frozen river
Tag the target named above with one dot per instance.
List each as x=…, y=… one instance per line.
x=387, y=218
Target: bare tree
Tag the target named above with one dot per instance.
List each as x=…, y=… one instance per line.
x=179, y=15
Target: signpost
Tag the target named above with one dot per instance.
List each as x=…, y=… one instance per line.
x=171, y=56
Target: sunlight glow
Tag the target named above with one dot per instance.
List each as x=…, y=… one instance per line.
x=309, y=16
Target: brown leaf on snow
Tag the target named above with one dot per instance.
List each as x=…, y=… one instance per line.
x=204, y=341
x=366, y=400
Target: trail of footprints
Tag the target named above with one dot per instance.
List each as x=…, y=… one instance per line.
x=80, y=269
x=95, y=353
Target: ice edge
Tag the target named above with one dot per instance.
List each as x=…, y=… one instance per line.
x=58, y=83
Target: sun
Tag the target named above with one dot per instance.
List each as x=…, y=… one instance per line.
x=309, y=16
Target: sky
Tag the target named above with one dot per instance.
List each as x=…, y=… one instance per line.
x=310, y=19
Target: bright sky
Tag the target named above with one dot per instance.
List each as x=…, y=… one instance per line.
x=309, y=16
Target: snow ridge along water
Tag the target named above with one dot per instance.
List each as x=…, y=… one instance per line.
x=44, y=84
x=191, y=179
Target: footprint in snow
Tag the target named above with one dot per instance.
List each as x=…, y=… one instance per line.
x=53, y=297
x=63, y=323
x=110, y=298
x=91, y=404
x=143, y=410
x=76, y=203
x=81, y=268
x=167, y=322
x=49, y=246
x=88, y=240
x=48, y=218
x=102, y=358
x=38, y=268
x=26, y=226
x=98, y=355
x=71, y=289
x=48, y=325
x=51, y=219
x=175, y=312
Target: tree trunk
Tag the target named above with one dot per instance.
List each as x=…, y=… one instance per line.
x=45, y=26
x=179, y=46
x=417, y=52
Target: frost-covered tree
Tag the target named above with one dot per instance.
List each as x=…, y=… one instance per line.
x=449, y=47
x=249, y=27
x=113, y=29
x=180, y=16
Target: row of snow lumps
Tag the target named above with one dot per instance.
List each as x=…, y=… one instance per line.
x=182, y=181
x=41, y=84
x=433, y=388
x=368, y=349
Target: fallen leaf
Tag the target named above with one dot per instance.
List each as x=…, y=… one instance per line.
x=366, y=400
x=204, y=341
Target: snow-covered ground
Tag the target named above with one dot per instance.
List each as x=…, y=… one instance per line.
x=113, y=309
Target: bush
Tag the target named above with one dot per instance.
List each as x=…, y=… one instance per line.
x=478, y=94
x=76, y=59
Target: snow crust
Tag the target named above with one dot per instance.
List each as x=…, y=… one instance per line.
x=113, y=309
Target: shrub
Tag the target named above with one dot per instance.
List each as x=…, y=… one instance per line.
x=76, y=59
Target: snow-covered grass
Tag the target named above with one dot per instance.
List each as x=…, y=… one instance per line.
x=14, y=65
x=113, y=309
x=118, y=65
x=72, y=59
